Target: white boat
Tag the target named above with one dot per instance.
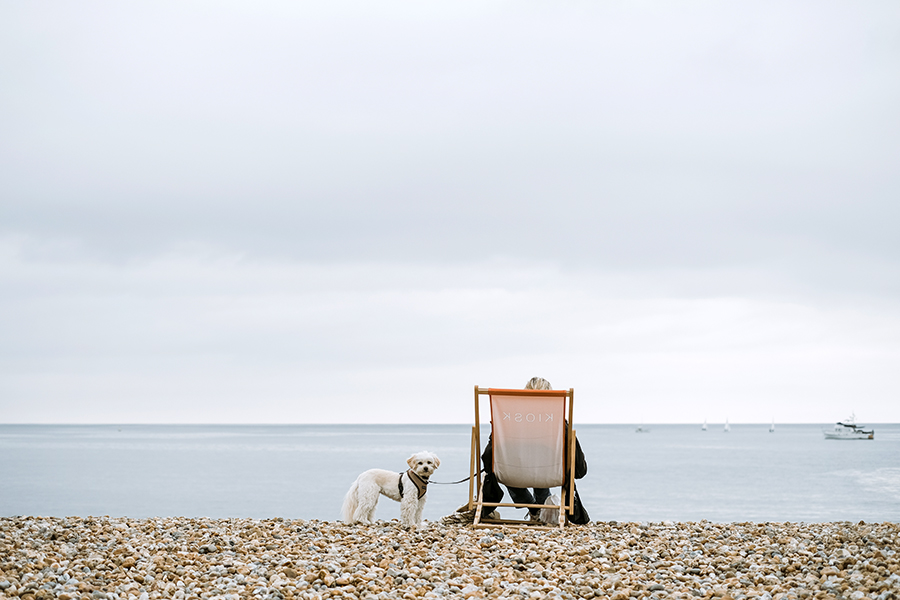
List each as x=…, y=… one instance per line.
x=772, y=427
x=704, y=425
x=849, y=430
x=727, y=426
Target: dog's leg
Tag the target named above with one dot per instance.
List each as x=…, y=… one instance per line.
x=367, y=502
x=408, y=506
x=420, y=506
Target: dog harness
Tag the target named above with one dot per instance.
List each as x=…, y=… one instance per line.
x=421, y=484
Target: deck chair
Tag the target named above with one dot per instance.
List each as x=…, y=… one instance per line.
x=530, y=430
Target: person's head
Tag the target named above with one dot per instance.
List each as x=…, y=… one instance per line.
x=538, y=383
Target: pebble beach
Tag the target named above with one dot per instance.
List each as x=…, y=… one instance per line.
x=196, y=558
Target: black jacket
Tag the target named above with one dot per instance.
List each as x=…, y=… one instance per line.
x=487, y=457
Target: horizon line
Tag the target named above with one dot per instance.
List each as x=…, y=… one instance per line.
x=709, y=424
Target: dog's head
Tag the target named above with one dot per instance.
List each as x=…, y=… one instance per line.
x=423, y=463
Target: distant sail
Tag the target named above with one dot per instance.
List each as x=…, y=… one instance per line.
x=704, y=425
x=727, y=426
x=772, y=427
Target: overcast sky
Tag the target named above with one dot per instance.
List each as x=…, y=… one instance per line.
x=328, y=211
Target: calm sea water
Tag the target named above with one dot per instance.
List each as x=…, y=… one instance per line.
x=674, y=472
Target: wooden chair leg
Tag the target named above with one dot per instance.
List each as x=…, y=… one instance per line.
x=473, y=470
x=479, y=505
x=562, y=507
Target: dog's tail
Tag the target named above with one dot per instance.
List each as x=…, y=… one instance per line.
x=351, y=501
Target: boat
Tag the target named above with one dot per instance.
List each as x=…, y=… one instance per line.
x=642, y=429
x=727, y=426
x=772, y=427
x=704, y=425
x=849, y=430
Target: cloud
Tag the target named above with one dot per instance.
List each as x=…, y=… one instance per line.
x=239, y=211
x=194, y=337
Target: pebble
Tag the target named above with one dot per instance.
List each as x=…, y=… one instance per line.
x=103, y=558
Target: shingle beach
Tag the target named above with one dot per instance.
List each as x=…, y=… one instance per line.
x=96, y=558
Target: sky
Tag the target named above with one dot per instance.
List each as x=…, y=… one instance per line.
x=354, y=212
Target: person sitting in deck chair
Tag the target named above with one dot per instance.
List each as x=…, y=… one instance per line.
x=494, y=493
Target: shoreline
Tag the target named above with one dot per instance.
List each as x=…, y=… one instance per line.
x=93, y=558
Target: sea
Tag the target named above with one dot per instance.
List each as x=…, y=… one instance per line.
x=668, y=473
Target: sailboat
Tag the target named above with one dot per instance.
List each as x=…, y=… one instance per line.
x=704, y=425
x=727, y=426
x=772, y=426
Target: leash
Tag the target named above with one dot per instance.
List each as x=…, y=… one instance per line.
x=454, y=482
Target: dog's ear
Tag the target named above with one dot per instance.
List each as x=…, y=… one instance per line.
x=411, y=461
x=437, y=461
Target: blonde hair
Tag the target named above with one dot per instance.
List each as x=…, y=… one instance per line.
x=538, y=383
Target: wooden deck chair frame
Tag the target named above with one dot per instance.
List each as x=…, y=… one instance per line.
x=566, y=504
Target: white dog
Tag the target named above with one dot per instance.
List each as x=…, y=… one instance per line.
x=408, y=488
